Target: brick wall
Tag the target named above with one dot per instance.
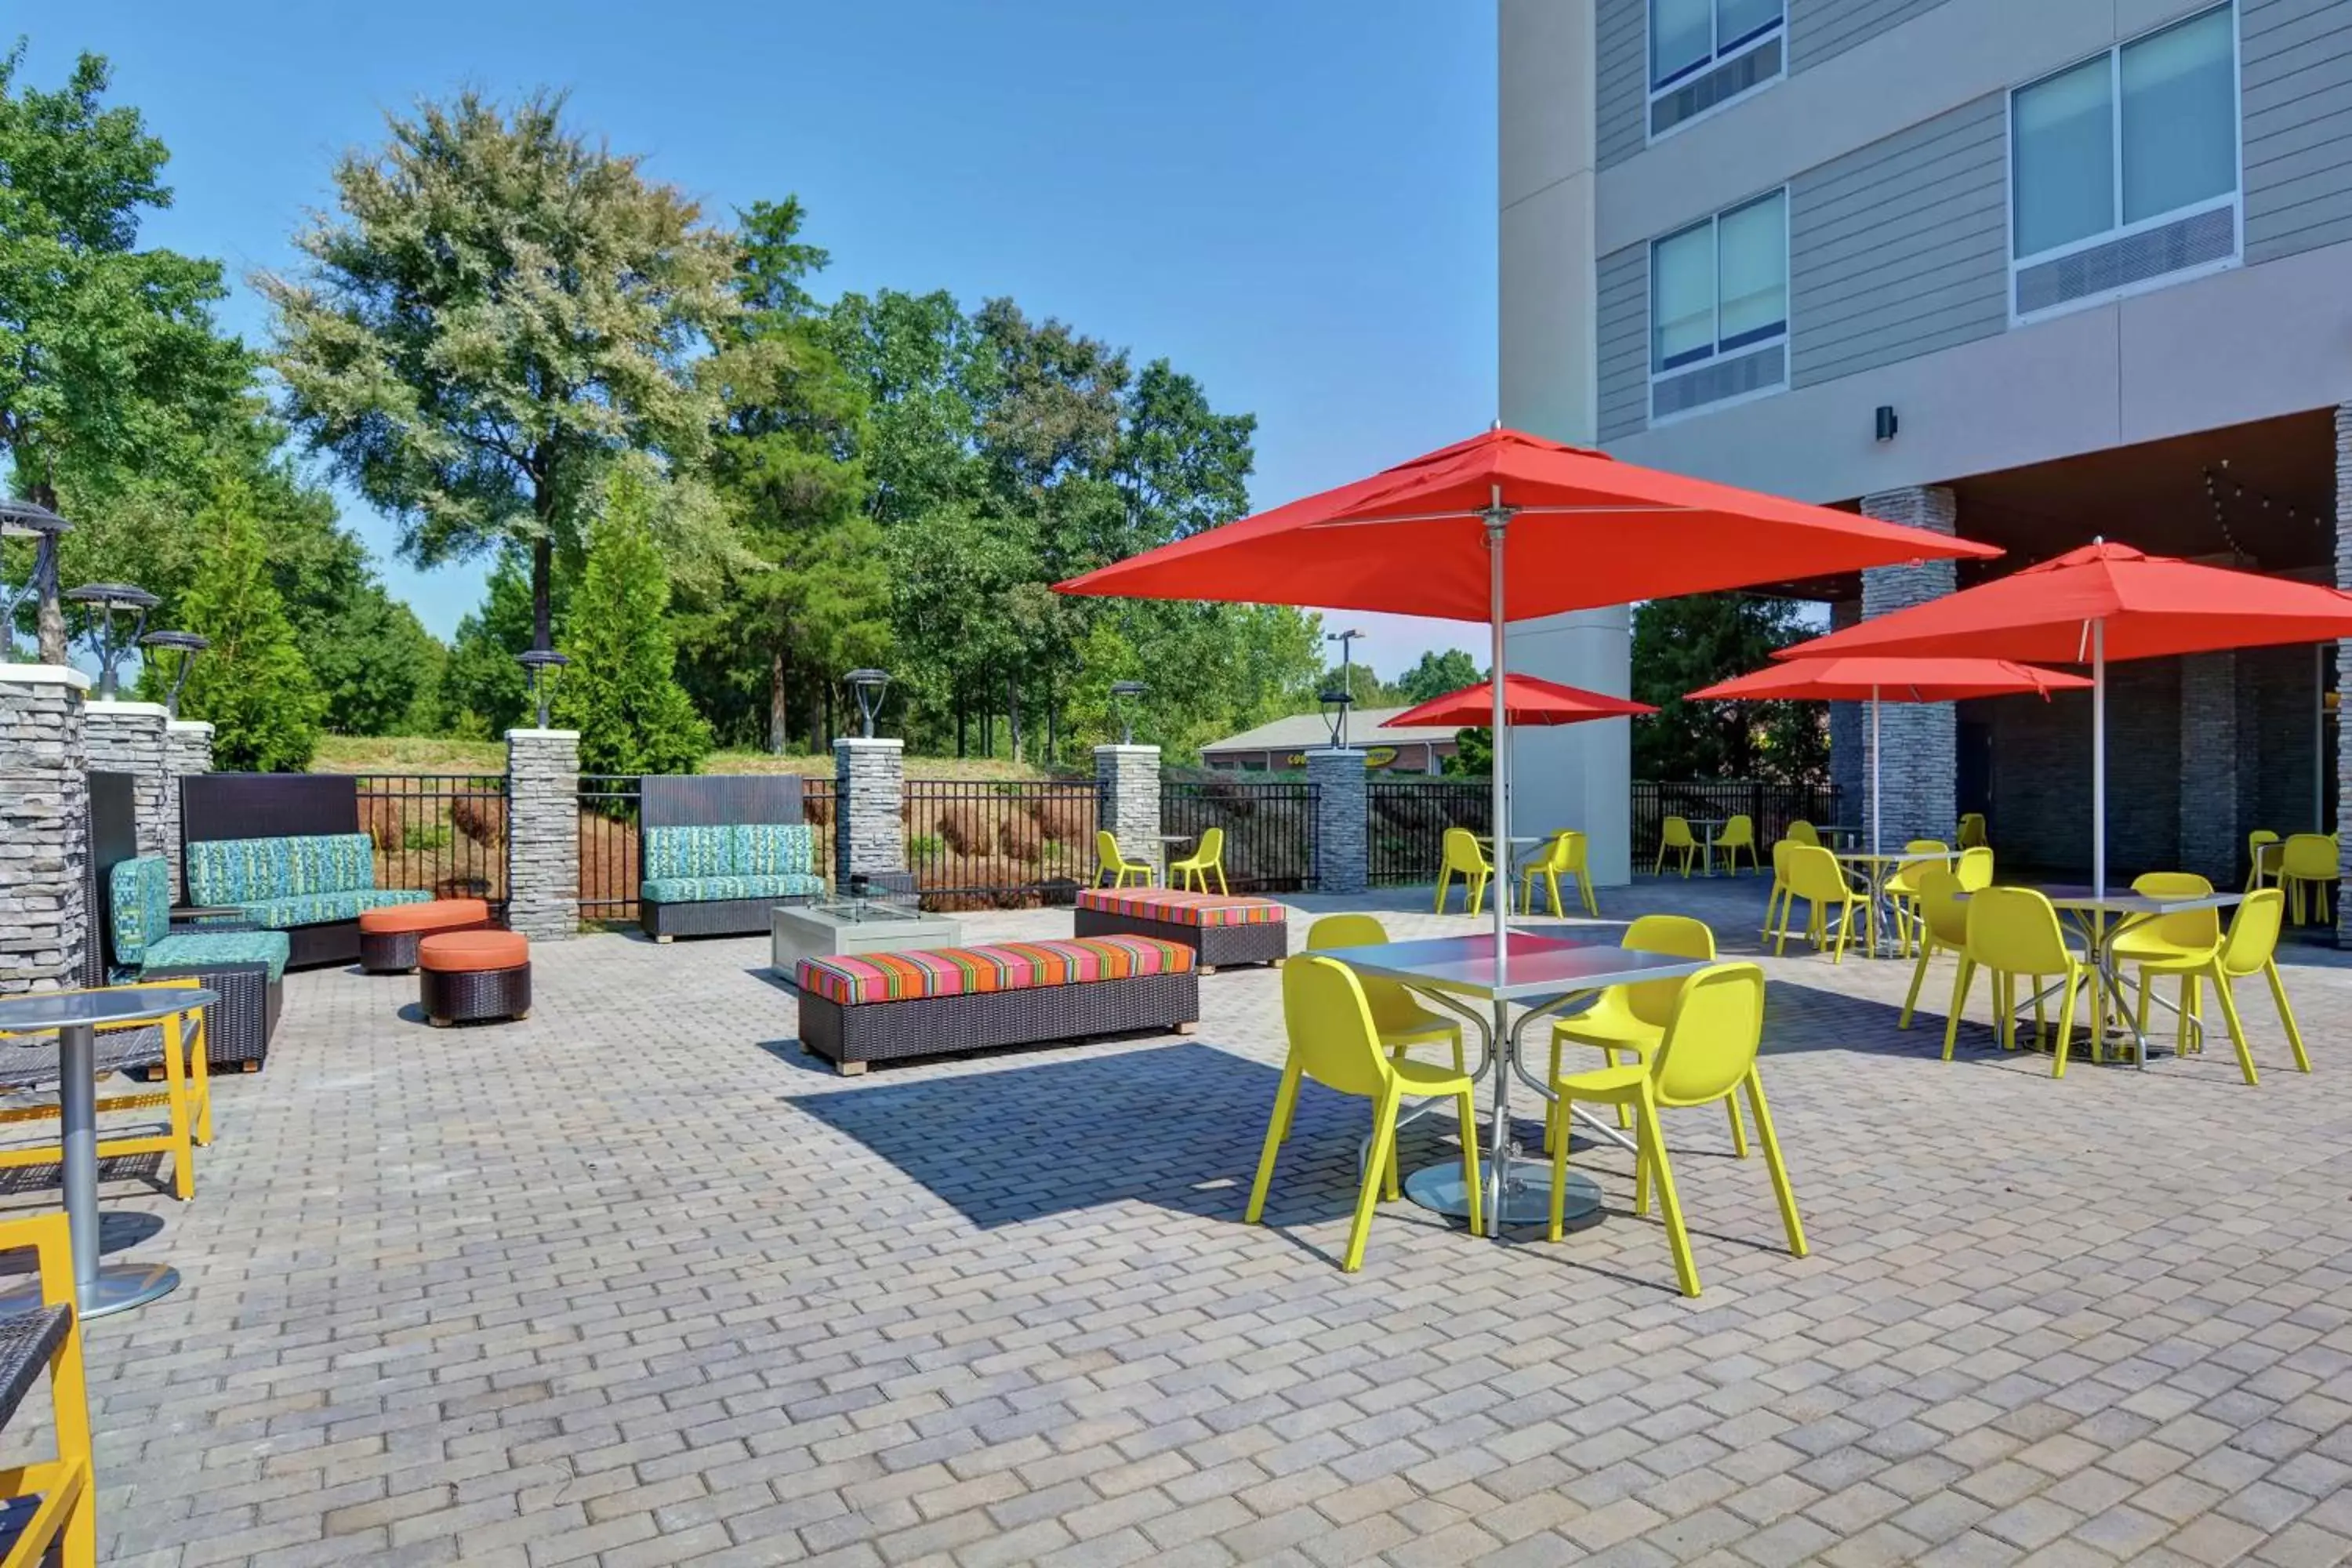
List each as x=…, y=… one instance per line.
x=543, y=833
x=1127, y=800
x=1343, y=802
x=44, y=828
x=1921, y=759
x=869, y=791
x=1849, y=768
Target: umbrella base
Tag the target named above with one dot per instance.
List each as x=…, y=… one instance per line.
x=1440, y=1189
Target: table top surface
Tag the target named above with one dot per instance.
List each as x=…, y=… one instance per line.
x=2080, y=899
x=1539, y=966
x=869, y=915
x=125, y=1004
x=1896, y=854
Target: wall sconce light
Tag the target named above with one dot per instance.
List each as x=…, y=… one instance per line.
x=1886, y=423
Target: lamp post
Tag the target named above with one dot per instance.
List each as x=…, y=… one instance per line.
x=101, y=602
x=187, y=645
x=866, y=686
x=541, y=664
x=1346, y=640
x=1335, y=714
x=1124, y=695
x=31, y=520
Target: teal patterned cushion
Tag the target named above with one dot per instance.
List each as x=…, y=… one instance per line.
x=252, y=871
x=318, y=908
x=711, y=890
x=739, y=849
x=139, y=900
x=194, y=949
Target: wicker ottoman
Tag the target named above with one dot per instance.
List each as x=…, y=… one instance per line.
x=466, y=977
x=388, y=936
x=1220, y=929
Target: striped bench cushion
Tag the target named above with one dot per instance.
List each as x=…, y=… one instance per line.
x=1175, y=906
x=865, y=977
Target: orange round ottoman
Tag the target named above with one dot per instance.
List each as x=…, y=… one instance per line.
x=388, y=936
x=466, y=977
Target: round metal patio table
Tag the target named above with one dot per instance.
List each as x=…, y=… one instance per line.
x=75, y=1017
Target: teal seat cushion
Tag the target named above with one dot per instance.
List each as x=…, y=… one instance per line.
x=739, y=849
x=255, y=871
x=194, y=949
x=711, y=890
x=139, y=906
x=322, y=908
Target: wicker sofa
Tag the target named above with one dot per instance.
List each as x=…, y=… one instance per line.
x=1219, y=928
x=285, y=851
x=890, y=1006
x=717, y=854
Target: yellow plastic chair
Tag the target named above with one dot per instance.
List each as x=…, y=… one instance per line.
x=1397, y=1016
x=1971, y=833
x=1114, y=863
x=1333, y=1041
x=1208, y=855
x=1944, y=927
x=2191, y=933
x=1459, y=852
x=1903, y=887
x=1565, y=855
x=1737, y=834
x=1708, y=1053
x=1633, y=1018
x=1674, y=835
x=186, y=1098
x=1803, y=833
x=1974, y=868
x=61, y=1525
x=2250, y=947
x=2263, y=850
x=1814, y=876
x=2013, y=932
x=2307, y=871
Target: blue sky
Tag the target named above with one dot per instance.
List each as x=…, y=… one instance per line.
x=1295, y=202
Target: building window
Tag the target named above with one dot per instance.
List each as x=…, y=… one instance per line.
x=1687, y=36
x=2130, y=161
x=1720, y=286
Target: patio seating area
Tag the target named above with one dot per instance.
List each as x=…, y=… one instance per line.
x=635, y=1281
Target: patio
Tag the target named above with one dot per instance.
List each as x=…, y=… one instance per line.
x=634, y=1282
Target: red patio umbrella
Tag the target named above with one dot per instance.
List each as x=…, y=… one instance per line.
x=1885, y=678
x=1526, y=701
x=2100, y=603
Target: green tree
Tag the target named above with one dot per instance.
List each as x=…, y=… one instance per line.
x=621, y=691
x=501, y=308
x=484, y=692
x=252, y=684
x=1437, y=672
x=1681, y=645
x=1473, y=754
x=109, y=362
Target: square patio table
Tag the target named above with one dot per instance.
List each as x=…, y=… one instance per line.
x=1541, y=974
x=1703, y=828
x=1878, y=867
x=2092, y=912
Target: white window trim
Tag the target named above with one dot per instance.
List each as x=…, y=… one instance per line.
x=1650, y=325
x=1652, y=92
x=2235, y=201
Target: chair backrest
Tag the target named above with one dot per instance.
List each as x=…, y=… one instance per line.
x=1556, y=851
x=1211, y=847
x=1813, y=874
x=2310, y=857
x=1740, y=830
x=255, y=871
x=1927, y=846
x=1971, y=835
x=1803, y=833
x=1712, y=1038
x=2015, y=931
x=1780, y=848
x=1572, y=849
x=732, y=849
x=1676, y=833
x=1674, y=936
x=1462, y=852
x=139, y=906
x=1393, y=1005
x=1975, y=868
x=1330, y=1025
x=2254, y=932
x=1948, y=913
x=1107, y=848
x=2191, y=928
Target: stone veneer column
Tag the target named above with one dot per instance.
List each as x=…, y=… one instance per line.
x=44, y=828
x=1127, y=802
x=2219, y=750
x=2343, y=672
x=1849, y=724
x=1343, y=806
x=869, y=791
x=188, y=749
x=128, y=738
x=1918, y=774
x=543, y=833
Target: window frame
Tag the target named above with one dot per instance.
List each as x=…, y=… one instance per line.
x=1717, y=352
x=2233, y=200
x=1718, y=53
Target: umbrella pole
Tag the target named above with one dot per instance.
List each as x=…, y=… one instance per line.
x=1499, y=1158
x=1876, y=869
x=2099, y=758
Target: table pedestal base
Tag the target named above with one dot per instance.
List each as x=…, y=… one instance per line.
x=118, y=1288
x=1439, y=1190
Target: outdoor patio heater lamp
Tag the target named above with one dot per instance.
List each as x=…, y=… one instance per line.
x=868, y=686
x=187, y=645
x=102, y=601
x=541, y=665
x=1335, y=713
x=30, y=520
x=1124, y=695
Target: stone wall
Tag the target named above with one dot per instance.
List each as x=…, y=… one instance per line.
x=1917, y=774
x=129, y=738
x=1849, y=767
x=1127, y=802
x=44, y=828
x=870, y=788
x=1342, y=820
x=188, y=749
x=543, y=833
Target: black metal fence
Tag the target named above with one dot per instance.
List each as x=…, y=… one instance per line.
x=443, y=832
x=1772, y=806
x=1269, y=829
x=1409, y=822
x=609, y=872
x=975, y=844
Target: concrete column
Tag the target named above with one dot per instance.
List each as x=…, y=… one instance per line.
x=1922, y=758
x=45, y=911
x=1848, y=726
x=2219, y=751
x=1127, y=802
x=543, y=833
x=2343, y=671
x=188, y=749
x=1343, y=802
x=869, y=790
x=129, y=738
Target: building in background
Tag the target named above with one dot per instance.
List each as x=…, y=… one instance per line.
x=2036, y=270
x=1282, y=746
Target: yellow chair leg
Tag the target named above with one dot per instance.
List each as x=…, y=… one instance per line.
x=1624, y=1111
x=1844, y=926
x=2066, y=1021
x=1584, y=888
x=1368, y=1193
x=175, y=1092
x=1444, y=878
x=2237, y=1029
x=1918, y=978
x=1393, y=1189
x=1465, y=1106
x=2285, y=1013
x=1654, y=1142
x=1781, y=1190
x=1959, y=1000
x=1477, y=892
x=1738, y=1133
x=1223, y=887
x=1277, y=1127
x=1558, y=1173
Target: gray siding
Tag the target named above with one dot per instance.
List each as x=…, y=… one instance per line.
x=1622, y=336
x=1898, y=249
x=1823, y=29
x=1620, y=87
x=2297, y=74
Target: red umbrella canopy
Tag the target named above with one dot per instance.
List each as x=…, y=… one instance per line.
x=2151, y=605
x=1582, y=531
x=1860, y=677
x=1526, y=701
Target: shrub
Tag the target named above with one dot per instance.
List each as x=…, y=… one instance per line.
x=482, y=820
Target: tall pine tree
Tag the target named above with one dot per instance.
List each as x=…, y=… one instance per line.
x=621, y=692
x=252, y=684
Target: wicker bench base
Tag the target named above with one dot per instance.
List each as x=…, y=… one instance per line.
x=470, y=997
x=238, y=1027
x=1212, y=947
x=717, y=917
x=851, y=1037
x=394, y=952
